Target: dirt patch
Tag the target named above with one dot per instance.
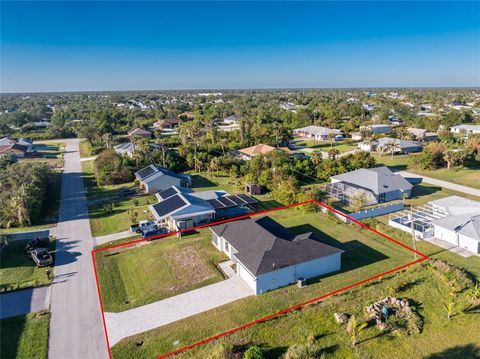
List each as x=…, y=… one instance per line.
x=188, y=267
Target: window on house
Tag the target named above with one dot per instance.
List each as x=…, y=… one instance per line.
x=227, y=247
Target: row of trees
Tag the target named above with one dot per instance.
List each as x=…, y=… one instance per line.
x=24, y=189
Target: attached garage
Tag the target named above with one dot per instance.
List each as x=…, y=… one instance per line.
x=461, y=230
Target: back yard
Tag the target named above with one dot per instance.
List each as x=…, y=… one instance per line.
x=366, y=254
x=150, y=271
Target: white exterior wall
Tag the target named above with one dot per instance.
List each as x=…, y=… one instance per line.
x=289, y=275
x=248, y=278
x=445, y=234
x=469, y=243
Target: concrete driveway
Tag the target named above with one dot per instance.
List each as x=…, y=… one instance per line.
x=76, y=328
x=24, y=301
x=138, y=320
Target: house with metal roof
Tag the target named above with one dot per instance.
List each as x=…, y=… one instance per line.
x=269, y=256
x=376, y=185
x=153, y=179
x=181, y=208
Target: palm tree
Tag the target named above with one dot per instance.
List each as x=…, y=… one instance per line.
x=331, y=137
x=354, y=329
x=316, y=158
x=333, y=153
x=454, y=158
x=393, y=146
x=450, y=307
x=474, y=293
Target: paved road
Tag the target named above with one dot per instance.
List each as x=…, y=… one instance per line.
x=76, y=329
x=138, y=320
x=24, y=301
x=444, y=184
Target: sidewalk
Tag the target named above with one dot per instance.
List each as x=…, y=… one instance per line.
x=113, y=237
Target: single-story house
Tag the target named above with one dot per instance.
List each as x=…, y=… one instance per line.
x=168, y=123
x=318, y=133
x=153, y=179
x=140, y=132
x=384, y=143
x=421, y=134
x=186, y=116
x=356, y=136
x=128, y=148
x=462, y=224
x=468, y=129
x=181, y=208
x=268, y=256
x=377, y=184
x=260, y=149
x=14, y=149
x=375, y=129
x=231, y=120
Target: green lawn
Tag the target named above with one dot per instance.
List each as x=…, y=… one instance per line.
x=17, y=269
x=342, y=146
x=464, y=176
x=85, y=149
x=25, y=337
x=150, y=271
x=365, y=255
x=209, y=181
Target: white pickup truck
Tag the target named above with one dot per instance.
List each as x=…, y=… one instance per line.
x=144, y=226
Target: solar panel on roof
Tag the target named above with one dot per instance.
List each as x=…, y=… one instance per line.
x=237, y=200
x=169, y=205
x=226, y=201
x=146, y=172
x=216, y=204
x=246, y=198
x=169, y=192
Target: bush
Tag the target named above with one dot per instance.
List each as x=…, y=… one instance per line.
x=254, y=352
x=110, y=168
x=456, y=278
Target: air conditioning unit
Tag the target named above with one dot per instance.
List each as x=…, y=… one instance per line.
x=301, y=282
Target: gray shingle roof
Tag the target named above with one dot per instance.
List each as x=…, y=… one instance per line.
x=264, y=245
x=378, y=180
x=467, y=224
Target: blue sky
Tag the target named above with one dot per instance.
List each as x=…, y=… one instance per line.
x=73, y=46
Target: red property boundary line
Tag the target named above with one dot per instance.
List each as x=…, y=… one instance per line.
x=422, y=258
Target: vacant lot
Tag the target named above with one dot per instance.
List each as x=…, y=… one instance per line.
x=134, y=276
x=365, y=255
x=25, y=336
x=17, y=269
x=342, y=146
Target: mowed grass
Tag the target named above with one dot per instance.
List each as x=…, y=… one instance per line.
x=365, y=255
x=150, y=271
x=25, y=337
x=18, y=270
x=85, y=149
x=342, y=146
x=465, y=176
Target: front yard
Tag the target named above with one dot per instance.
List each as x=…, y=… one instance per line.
x=18, y=270
x=366, y=254
x=151, y=271
x=25, y=336
x=325, y=146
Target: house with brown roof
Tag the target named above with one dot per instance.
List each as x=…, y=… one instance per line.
x=140, y=132
x=260, y=149
x=167, y=124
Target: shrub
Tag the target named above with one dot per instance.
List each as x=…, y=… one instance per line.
x=254, y=352
x=456, y=278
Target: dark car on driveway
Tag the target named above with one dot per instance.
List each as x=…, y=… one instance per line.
x=41, y=257
x=154, y=232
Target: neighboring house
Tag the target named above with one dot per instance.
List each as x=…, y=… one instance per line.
x=181, y=208
x=318, y=133
x=167, y=124
x=377, y=185
x=128, y=148
x=18, y=151
x=153, y=179
x=356, y=136
x=376, y=129
x=232, y=120
x=41, y=124
x=140, y=132
x=250, y=152
x=421, y=134
x=186, y=116
x=462, y=224
x=383, y=145
x=467, y=129
x=288, y=106
x=268, y=256
x=453, y=219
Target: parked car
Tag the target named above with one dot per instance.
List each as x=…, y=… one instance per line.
x=34, y=244
x=144, y=226
x=154, y=232
x=41, y=257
